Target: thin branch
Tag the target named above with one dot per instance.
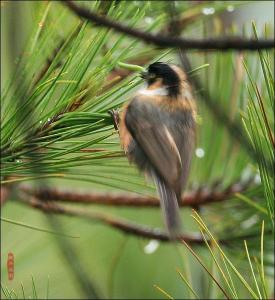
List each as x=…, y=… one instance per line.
x=222, y=44
x=201, y=196
x=118, y=223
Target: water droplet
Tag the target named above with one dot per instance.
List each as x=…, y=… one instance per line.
x=40, y=122
x=249, y=222
x=230, y=8
x=208, y=10
x=18, y=161
x=151, y=247
x=148, y=20
x=200, y=152
x=257, y=178
x=246, y=173
x=49, y=119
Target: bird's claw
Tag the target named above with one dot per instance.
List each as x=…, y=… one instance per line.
x=115, y=117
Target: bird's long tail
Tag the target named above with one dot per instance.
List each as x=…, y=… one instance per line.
x=169, y=206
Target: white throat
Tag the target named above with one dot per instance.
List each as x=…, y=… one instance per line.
x=155, y=92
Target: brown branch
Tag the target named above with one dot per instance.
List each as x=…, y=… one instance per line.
x=118, y=223
x=201, y=196
x=222, y=44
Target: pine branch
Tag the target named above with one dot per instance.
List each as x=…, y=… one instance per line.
x=199, y=197
x=119, y=223
x=222, y=44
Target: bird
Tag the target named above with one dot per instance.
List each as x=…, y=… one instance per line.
x=157, y=129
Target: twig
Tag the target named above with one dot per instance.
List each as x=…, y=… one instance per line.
x=119, y=223
x=201, y=196
x=222, y=44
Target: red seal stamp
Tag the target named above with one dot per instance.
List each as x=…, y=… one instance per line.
x=10, y=266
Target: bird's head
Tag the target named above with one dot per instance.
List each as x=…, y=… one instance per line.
x=160, y=75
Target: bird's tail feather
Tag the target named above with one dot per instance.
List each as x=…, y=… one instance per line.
x=169, y=206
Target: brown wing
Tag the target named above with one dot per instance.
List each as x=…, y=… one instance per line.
x=143, y=120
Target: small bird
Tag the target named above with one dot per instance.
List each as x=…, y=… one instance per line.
x=157, y=133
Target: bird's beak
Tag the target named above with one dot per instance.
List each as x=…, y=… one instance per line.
x=144, y=75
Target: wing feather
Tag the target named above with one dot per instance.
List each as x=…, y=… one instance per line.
x=145, y=125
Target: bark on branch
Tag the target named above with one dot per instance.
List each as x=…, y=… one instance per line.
x=222, y=44
x=118, y=223
x=201, y=196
